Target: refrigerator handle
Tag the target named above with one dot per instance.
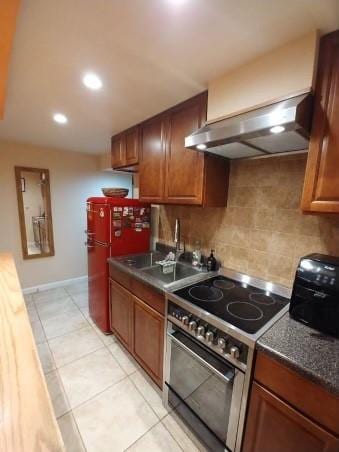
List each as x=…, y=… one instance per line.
x=106, y=245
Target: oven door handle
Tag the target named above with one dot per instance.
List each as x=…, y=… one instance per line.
x=227, y=378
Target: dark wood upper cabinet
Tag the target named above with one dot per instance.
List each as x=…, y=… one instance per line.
x=132, y=146
x=125, y=149
x=152, y=159
x=118, y=151
x=321, y=187
x=184, y=167
x=171, y=174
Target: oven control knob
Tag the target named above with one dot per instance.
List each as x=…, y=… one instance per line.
x=209, y=336
x=201, y=331
x=221, y=343
x=234, y=352
x=185, y=320
x=192, y=325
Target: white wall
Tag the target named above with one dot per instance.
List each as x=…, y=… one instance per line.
x=73, y=178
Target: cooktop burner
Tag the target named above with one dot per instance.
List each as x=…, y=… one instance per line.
x=262, y=298
x=244, y=310
x=205, y=293
x=223, y=284
x=246, y=307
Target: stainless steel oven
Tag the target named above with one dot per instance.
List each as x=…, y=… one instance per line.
x=204, y=388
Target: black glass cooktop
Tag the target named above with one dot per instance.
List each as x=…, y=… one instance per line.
x=239, y=304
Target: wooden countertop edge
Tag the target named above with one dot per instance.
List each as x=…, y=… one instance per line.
x=27, y=420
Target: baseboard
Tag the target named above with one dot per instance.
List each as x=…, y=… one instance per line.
x=54, y=284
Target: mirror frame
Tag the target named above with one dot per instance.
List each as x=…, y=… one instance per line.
x=21, y=211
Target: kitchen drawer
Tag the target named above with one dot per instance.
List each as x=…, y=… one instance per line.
x=306, y=396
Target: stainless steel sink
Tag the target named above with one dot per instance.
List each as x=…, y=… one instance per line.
x=180, y=271
x=143, y=260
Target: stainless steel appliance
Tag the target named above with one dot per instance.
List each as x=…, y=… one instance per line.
x=212, y=327
x=315, y=296
x=280, y=127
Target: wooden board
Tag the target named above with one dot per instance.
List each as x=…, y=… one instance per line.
x=8, y=13
x=27, y=421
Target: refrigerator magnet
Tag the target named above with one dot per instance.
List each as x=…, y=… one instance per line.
x=117, y=233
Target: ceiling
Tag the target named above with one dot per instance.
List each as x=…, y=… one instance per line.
x=150, y=54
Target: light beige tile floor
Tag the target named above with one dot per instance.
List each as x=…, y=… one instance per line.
x=102, y=399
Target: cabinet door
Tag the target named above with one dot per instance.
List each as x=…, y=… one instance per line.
x=118, y=151
x=321, y=188
x=273, y=425
x=148, y=339
x=152, y=160
x=185, y=167
x=121, y=313
x=132, y=146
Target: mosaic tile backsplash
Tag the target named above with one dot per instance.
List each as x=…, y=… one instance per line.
x=262, y=232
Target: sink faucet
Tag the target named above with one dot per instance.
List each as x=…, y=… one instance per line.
x=178, y=251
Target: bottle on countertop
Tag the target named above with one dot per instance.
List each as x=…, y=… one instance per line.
x=196, y=255
x=211, y=262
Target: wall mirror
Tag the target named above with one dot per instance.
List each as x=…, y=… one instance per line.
x=34, y=205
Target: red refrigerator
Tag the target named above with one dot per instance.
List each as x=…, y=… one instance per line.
x=115, y=226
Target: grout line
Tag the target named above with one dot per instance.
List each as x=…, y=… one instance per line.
x=80, y=357
x=64, y=394
x=144, y=434
x=76, y=427
x=108, y=347
x=160, y=419
x=126, y=376
x=115, y=359
x=99, y=393
x=63, y=334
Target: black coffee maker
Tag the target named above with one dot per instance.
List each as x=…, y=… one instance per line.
x=315, y=296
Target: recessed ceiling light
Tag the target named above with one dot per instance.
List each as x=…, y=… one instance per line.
x=92, y=81
x=60, y=118
x=277, y=129
x=201, y=147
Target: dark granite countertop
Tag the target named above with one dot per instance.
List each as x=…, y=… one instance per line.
x=309, y=352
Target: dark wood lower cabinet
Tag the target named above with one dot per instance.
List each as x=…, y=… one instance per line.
x=121, y=313
x=148, y=339
x=274, y=426
x=139, y=327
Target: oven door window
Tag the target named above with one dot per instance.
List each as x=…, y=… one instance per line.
x=207, y=392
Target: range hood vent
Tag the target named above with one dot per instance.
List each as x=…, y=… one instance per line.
x=277, y=128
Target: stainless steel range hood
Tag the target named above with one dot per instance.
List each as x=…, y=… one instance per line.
x=280, y=127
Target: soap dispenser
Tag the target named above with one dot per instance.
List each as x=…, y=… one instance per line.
x=211, y=262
